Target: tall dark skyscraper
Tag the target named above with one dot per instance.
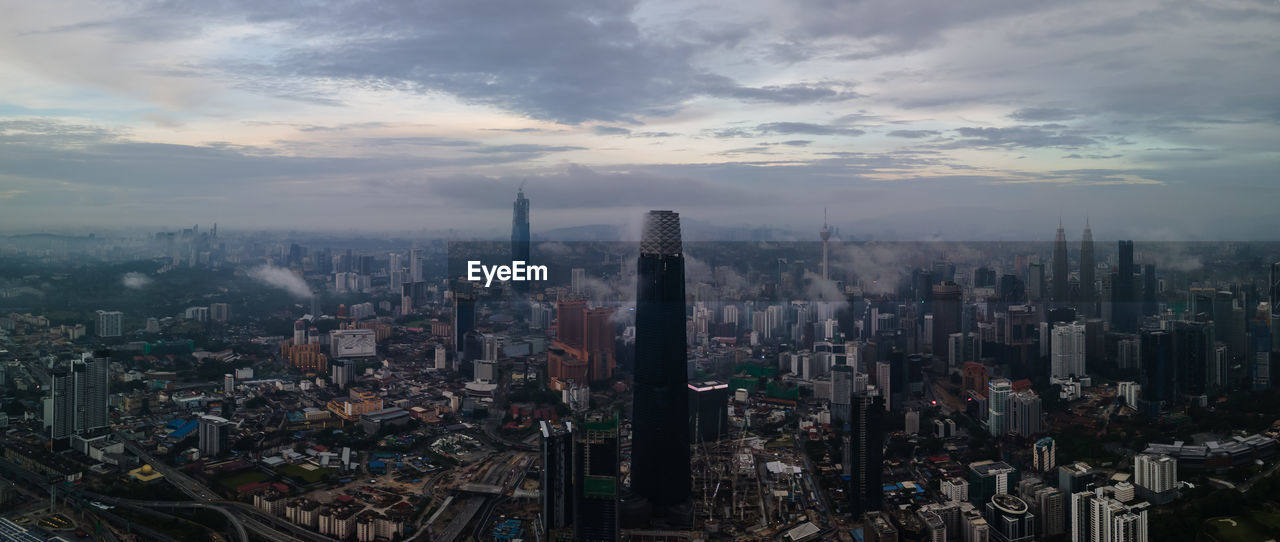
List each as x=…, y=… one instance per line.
x=660, y=470
x=1124, y=299
x=520, y=245
x=1088, y=267
x=1060, y=266
x=863, y=453
x=1193, y=351
x=1159, y=372
x=948, y=302
x=557, y=480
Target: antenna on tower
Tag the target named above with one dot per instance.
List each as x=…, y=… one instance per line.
x=521, y=188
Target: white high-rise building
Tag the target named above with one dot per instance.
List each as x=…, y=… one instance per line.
x=1155, y=473
x=440, y=359
x=730, y=314
x=417, y=258
x=1068, y=350
x=998, y=391
x=110, y=323
x=228, y=384
x=1129, y=391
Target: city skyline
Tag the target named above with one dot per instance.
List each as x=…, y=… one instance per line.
x=282, y=117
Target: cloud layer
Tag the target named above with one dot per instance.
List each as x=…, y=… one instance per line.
x=992, y=116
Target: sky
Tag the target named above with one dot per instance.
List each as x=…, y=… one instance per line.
x=984, y=119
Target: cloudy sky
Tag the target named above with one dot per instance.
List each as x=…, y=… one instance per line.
x=976, y=119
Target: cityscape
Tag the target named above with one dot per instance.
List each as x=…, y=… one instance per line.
x=642, y=271
x=233, y=386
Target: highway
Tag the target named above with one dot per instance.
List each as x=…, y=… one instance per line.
x=235, y=521
x=259, y=522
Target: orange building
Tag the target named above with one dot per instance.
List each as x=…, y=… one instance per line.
x=308, y=358
x=357, y=402
x=564, y=365
x=583, y=335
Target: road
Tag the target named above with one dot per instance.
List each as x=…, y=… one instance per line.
x=260, y=522
x=241, y=532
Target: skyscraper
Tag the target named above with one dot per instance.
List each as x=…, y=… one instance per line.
x=660, y=470
x=865, y=451
x=60, y=410
x=1068, y=350
x=947, y=307
x=1060, y=266
x=595, y=478
x=998, y=391
x=1159, y=381
x=1088, y=292
x=214, y=433
x=520, y=245
x=557, y=479
x=1124, y=301
x=91, y=380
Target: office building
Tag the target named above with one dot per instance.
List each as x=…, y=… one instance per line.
x=214, y=434
x=841, y=393
x=557, y=490
x=1075, y=477
x=998, y=391
x=1010, y=518
x=660, y=462
x=1045, y=455
x=947, y=307
x=1159, y=377
x=865, y=452
x=1124, y=299
x=990, y=478
x=1024, y=414
x=59, y=411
